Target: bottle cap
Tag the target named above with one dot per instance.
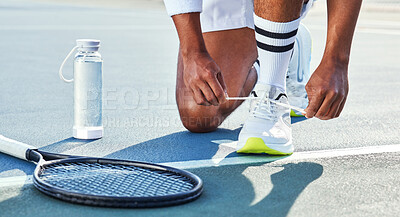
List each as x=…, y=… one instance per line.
x=88, y=44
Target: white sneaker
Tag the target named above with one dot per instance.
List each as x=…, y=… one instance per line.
x=299, y=71
x=268, y=128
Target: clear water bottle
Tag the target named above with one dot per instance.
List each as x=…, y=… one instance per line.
x=88, y=84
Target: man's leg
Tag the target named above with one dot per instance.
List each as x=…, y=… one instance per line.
x=235, y=52
x=276, y=23
x=268, y=128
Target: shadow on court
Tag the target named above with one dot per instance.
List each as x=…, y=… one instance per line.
x=297, y=119
x=184, y=146
x=179, y=146
x=228, y=191
x=66, y=144
x=288, y=185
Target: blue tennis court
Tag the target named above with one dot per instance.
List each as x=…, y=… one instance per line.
x=342, y=167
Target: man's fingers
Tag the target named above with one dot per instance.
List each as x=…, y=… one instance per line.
x=339, y=111
x=199, y=97
x=333, y=109
x=325, y=106
x=208, y=93
x=222, y=82
x=313, y=105
x=217, y=87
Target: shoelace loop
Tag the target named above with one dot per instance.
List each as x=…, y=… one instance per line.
x=264, y=109
x=273, y=101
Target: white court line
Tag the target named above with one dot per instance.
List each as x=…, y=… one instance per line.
x=248, y=159
x=16, y=181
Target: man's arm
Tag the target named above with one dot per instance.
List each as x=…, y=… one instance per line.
x=328, y=86
x=201, y=74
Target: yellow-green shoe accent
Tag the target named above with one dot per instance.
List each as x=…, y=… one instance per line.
x=256, y=145
x=293, y=114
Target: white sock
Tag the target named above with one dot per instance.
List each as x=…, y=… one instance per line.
x=275, y=43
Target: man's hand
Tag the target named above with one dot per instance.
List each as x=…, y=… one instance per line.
x=327, y=91
x=201, y=74
x=328, y=87
x=203, y=77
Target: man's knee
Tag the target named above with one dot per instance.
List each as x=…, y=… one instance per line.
x=200, y=121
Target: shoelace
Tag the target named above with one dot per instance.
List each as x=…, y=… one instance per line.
x=273, y=101
x=264, y=109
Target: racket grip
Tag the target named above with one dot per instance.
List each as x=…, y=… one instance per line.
x=14, y=148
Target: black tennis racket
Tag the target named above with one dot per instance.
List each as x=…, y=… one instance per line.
x=106, y=182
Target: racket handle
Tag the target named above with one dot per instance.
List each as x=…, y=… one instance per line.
x=14, y=148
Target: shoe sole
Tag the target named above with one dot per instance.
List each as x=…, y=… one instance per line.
x=256, y=145
x=293, y=114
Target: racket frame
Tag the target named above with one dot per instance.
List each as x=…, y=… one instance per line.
x=42, y=159
x=45, y=159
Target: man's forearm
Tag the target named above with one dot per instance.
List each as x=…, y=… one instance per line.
x=342, y=19
x=189, y=32
x=200, y=73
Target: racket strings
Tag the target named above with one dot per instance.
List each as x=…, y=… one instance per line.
x=114, y=180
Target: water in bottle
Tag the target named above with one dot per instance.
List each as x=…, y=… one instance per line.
x=88, y=67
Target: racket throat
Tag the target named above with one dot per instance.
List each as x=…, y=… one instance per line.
x=33, y=155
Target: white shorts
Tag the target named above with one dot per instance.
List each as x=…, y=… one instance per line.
x=220, y=15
